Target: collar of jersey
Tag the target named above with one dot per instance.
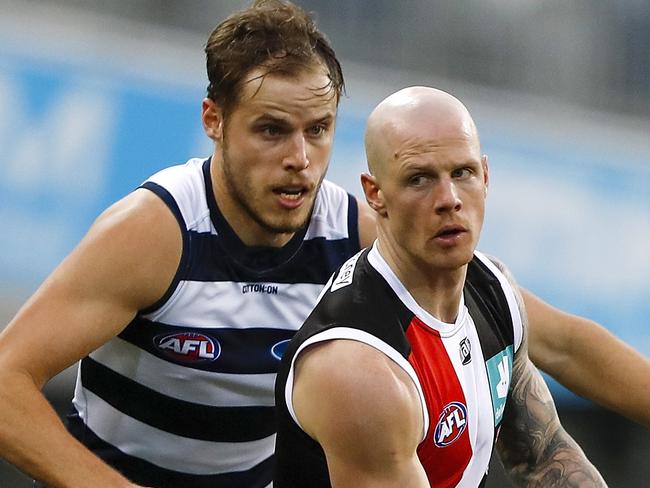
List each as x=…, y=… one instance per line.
x=255, y=258
x=378, y=262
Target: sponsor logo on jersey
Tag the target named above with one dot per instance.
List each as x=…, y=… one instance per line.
x=451, y=424
x=188, y=347
x=499, y=369
x=344, y=277
x=263, y=288
x=465, y=351
x=278, y=349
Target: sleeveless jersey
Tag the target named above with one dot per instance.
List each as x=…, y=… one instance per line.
x=183, y=397
x=461, y=371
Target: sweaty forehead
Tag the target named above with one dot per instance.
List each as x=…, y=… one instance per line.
x=308, y=87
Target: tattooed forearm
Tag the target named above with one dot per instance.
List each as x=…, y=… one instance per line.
x=535, y=449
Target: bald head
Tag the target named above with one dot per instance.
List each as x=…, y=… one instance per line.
x=415, y=114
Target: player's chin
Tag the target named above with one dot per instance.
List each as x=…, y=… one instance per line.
x=288, y=224
x=460, y=259
x=453, y=258
x=295, y=219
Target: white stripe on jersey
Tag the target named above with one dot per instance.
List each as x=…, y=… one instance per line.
x=163, y=448
x=476, y=388
x=189, y=193
x=192, y=304
x=205, y=387
x=330, y=215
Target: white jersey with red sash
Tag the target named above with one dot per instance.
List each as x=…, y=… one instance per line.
x=462, y=370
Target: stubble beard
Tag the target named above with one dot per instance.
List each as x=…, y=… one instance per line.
x=240, y=193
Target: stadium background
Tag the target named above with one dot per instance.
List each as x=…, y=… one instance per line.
x=95, y=96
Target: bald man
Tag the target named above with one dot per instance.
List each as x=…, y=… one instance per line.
x=414, y=363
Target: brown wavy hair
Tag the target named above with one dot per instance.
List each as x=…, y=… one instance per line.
x=275, y=35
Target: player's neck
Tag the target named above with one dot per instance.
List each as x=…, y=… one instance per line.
x=442, y=299
x=437, y=290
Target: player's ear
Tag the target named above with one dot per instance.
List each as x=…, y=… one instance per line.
x=373, y=193
x=212, y=118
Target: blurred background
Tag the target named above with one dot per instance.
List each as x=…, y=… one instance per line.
x=95, y=96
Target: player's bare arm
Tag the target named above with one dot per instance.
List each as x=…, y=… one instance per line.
x=588, y=359
x=533, y=446
x=367, y=224
x=579, y=353
x=365, y=413
x=125, y=262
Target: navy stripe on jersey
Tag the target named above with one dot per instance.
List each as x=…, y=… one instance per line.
x=148, y=474
x=353, y=227
x=166, y=197
x=192, y=420
x=239, y=351
x=313, y=263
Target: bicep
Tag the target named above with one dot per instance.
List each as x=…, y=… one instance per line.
x=367, y=224
x=94, y=292
x=364, y=412
x=588, y=359
x=549, y=333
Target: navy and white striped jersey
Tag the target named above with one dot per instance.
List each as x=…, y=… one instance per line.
x=184, y=395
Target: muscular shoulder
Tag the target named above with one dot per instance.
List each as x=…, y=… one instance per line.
x=139, y=241
x=123, y=264
x=356, y=402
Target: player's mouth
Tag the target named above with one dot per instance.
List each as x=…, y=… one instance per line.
x=450, y=234
x=291, y=196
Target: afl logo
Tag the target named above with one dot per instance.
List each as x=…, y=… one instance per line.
x=451, y=424
x=188, y=347
x=278, y=349
x=465, y=351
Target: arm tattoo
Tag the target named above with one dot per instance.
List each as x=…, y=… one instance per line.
x=534, y=448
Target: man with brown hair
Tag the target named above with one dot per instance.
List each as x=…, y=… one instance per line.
x=182, y=296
